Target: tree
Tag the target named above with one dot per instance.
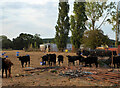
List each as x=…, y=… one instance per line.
x=18, y=43
x=114, y=20
x=6, y=43
x=63, y=26
x=78, y=23
x=95, y=38
x=23, y=41
x=96, y=10
x=27, y=40
x=37, y=40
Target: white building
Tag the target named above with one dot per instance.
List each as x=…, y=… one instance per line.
x=48, y=47
x=69, y=47
x=53, y=47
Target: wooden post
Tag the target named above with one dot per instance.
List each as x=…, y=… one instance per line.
x=112, y=58
x=118, y=49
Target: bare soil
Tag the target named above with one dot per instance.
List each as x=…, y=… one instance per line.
x=42, y=77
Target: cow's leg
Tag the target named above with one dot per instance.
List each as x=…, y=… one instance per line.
x=85, y=64
x=114, y=65
x=42, y=62
x=10, y=72
x=2, y=72
x=49, y=63
x=29, y=63
x=6, y=72
x=62, y=62
x=90, y=65
x=79, y=62
x=68, y=63
x=55, y=63
x=117, y=65
x=74, y=63
x=22, y=63
x=25, y=64
x=59, y=63
x=96, y=65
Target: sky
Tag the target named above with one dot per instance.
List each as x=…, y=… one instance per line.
x=34, y=16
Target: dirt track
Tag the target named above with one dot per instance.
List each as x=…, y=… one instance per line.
x=46, y=78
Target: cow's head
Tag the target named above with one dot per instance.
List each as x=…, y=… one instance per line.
x=78, y=53
x=3, y=59
x=19, y=57
x=68, y=56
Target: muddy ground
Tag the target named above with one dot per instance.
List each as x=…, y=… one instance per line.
x=37, y=75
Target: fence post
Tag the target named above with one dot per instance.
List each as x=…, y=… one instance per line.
x=112, y=58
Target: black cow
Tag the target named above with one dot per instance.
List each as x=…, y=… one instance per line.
x=116, y=61
x=51, y=59
x=72, y=59
x=24, y=59
x=45, y=59
x=6, y=65
x=90, y=60
x=60, y=59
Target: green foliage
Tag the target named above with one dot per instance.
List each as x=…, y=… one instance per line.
x=37, y=40
x=63, y=26
x=95, y=38
x=18, y=43
x=78, y=23
x=35, y=44
x=25, y=40
x=31, y=46
x=96, y=10
x=49, y=40
x=5, y=42
x=114, y=21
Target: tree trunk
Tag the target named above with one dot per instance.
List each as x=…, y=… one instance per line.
x=116, y=41
x=93, y=24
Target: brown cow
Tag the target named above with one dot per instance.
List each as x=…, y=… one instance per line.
x=6, y=65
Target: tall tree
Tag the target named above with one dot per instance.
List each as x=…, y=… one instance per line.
x=96, y=10
x=78, y=23
x=37, y=40
x=63, y=26
x=114, y=20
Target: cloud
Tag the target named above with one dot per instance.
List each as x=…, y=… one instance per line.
x=41, y=2
x=29, y=18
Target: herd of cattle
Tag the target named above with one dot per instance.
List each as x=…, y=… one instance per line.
x=51, y=59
